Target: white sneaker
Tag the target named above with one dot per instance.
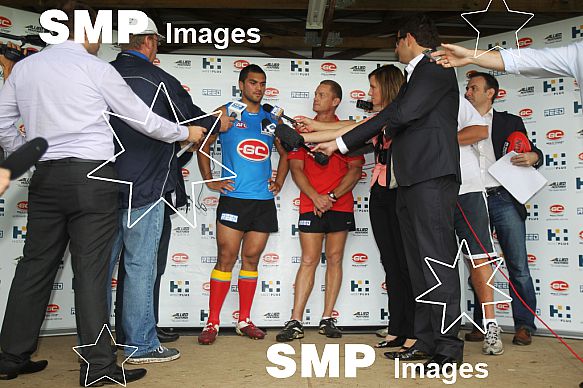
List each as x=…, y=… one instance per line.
x=492, y=342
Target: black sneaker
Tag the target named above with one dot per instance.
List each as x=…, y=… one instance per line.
x=293, y=329
x=329, y=329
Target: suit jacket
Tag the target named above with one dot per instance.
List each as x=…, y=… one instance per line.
x=422, y=121
x=503, y=124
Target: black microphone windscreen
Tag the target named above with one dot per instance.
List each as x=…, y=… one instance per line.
x=321, y=158
x=267, y=107
x=25, y=157
x=288, y=136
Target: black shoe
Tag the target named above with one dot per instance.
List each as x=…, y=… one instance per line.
x=442, y=361
x=292, y=330
x=117, y=375
x=329, y=329
x=165, y=336
x=11, y=372
x=410, y=355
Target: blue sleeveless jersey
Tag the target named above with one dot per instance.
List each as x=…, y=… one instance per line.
x=246, y=150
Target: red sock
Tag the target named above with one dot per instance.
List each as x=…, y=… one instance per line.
x=247, y=286
x=220, y=285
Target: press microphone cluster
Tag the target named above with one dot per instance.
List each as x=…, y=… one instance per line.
x=278, y=112
x=21, y=160
x=292, y=139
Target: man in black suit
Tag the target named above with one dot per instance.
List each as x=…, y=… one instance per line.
x=507, y=215
x=422, y=121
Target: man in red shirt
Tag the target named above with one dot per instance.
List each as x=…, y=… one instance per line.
x=326, y=211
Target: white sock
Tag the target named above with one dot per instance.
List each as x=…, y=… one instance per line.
x=326, y=318
x=487, y=321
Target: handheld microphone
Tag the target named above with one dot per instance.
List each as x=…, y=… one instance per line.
x=277, y=112
x=364, y=105
x=21, y=160
x=516, y=141
x=236, y=109
x=292, y=139
x=267, y=127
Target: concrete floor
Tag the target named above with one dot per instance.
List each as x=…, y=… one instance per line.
x=239, y=362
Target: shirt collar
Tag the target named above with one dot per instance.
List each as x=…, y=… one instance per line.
x=411, y=65
x=137, y=54
x=490, y=113
x=70, y=45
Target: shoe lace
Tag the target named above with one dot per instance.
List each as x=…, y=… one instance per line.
x=331, y=322
x=492, y=335
x=161, y=349
x=209, y=326
x=289, y=324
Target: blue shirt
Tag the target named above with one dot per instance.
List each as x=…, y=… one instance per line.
x=246, y=150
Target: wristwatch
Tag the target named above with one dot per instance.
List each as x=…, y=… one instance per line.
x=332, y=195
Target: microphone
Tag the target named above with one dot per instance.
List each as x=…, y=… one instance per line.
x=277, y=112
x=236, y=109
x=292, y=139
x=21, y=160
x=267, y=127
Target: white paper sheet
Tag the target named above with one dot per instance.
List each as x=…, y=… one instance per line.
x=521, y=182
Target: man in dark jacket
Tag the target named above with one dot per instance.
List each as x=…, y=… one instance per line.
x=151, y=167
x=507, y=215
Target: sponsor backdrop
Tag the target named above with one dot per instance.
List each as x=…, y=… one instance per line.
x=552, y=112
x=212, y=81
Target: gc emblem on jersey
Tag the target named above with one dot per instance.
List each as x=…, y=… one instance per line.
x=253, y=149
x=241, y=124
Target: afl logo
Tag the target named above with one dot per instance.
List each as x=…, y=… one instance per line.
x=503, y=306
x=180, y=258
x=359, y=258
x=240, y=64
x=501, y=94
x=557, y=209
x=206, y=286
x=271, y=92
x=271, y=258
x=559, y=285
x=555, y=134
x=53, y=308
x=524, y=42
x=526, y=112
x=5, y=22
x=253, y=149
x=357, y=94
x=328, y=67
x=241, y=125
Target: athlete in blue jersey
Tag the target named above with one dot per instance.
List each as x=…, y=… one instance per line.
x=246, y=213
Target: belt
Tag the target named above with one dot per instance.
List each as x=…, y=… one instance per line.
x=494, y=190
x=68, y=161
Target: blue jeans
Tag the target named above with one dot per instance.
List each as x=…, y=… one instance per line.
x=140, y=244
x=511, y=232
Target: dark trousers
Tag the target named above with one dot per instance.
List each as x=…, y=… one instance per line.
x=387, y=234
x=426, y=215
x=161, y=267
x=64, y=207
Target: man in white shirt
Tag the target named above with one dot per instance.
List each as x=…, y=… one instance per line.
x=472, y=223
x=61, y=93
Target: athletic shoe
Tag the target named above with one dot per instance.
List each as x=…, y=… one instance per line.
x=329, y=329
x=247, y=328
x=492, y=342
x=162, y=354
x=292, y=330
x=208, y=334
